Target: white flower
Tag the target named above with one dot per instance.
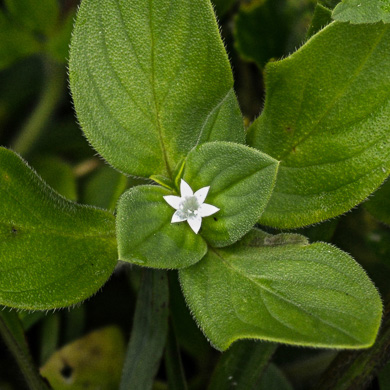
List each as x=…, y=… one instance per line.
x=190, y=207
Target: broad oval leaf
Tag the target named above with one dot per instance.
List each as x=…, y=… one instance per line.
x=146, y=235
x=326, y=119
x=358, y=11
x=150, y=80
x=241, y=180
x=313, y=295
x=53, y=252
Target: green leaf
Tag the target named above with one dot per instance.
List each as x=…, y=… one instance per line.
x=92, y=362
x=312, y=295
x=234, y=172
x=378, y=205
x=322, y=17
x=358, y=11
x=38, y=16
x=326, y=119
x=241, y=180
x=149, y=332
x=146, y=235
x=147, y=85
x=53, y=252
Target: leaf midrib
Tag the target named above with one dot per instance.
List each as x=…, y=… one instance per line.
x=153, y=86
x=274, y=293
x=338, y=96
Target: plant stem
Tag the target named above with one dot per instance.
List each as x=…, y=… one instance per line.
x=173, y=363
x=354, y=370
x=20, y=352
x=52, y=91
x=149, y=332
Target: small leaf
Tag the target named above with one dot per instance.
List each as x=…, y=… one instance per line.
x=241, y=180
x=147, y=85
x=313, y=295
x=326, y=119
x=362, y=11
x=146, y=235
x=322, y=17
x=53, y=252
x=92, y=362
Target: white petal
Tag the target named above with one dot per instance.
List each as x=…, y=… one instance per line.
x=178, y=217
x=201, y=194
x=205, y=210
x=173, y=201
x=185, y=189
x=195, y=223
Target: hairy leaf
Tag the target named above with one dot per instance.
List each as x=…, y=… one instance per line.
x=360, y=11
x=326, y=119
x=53, y=252
x=147, y=85
x=146, y=235
x=313, y=295
x=241, y=180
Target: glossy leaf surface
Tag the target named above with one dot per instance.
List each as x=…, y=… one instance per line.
x=270, y=289
x=53, y=252
x=147, y=85
x=326, y=119
x=358, y=11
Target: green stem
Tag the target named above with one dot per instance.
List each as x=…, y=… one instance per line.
x=21, y=355
x=173, y=363
x=354, y=370
x=51, y=94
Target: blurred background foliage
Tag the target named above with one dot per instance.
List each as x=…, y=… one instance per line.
x=84, y=347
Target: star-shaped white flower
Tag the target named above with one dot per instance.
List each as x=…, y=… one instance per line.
x=190, y=207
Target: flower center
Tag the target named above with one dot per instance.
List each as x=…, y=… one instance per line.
x=189, y=206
